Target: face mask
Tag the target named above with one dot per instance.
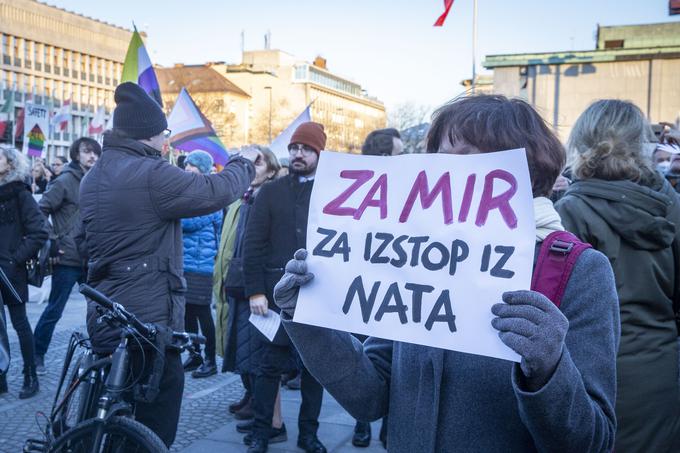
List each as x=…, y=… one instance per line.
x=663, y=167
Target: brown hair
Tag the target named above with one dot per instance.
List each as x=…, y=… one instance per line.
x=496, y=123
x=607, y=143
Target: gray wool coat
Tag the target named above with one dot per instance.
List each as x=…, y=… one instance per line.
x=446, y=401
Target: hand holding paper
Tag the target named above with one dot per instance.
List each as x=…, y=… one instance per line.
x=267, y=324
x=287, y=289
x=531, y=325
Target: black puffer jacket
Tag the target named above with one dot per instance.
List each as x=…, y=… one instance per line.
x=131, y=203
x=22, y=232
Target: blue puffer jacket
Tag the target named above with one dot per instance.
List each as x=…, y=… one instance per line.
x=200, y=235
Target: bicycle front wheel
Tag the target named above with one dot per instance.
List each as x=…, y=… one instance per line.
x=116, y=435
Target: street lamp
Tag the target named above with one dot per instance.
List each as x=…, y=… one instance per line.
x=270, y=112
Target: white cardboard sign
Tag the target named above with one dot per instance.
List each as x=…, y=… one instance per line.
x=417, y=248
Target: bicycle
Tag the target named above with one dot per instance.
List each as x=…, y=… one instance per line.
x=95, y=412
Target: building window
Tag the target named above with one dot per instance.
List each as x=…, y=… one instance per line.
x=17, y=58
x=36, y=56
x=5, y=50
x=55, y=59
x=27, y=54
x=613, y=44
x=64, y=59
x=301, y=72
x=46, y=58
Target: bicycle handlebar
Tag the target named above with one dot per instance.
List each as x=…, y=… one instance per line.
x=117, y=309
x=189, y=338
x=130, y=319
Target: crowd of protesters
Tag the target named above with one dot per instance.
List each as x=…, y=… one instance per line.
x=598, y=373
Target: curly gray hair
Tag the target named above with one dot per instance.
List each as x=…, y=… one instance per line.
x=19, y=169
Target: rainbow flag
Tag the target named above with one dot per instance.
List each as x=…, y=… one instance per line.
x=192, y=131
x=138, y=68
x=36, y=141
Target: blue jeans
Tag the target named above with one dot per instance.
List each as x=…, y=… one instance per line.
x=63, y=279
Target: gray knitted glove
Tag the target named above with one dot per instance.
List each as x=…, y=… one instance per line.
x=532, y=326
x=287, y=289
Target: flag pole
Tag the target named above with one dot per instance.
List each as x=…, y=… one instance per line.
x=474, y=47
x=14, y=126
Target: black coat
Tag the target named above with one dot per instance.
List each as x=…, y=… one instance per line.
x=240, y=349
x=131, y=203
x=22, y=232
x=277, y=227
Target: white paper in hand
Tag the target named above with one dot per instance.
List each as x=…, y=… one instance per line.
x=267, y=324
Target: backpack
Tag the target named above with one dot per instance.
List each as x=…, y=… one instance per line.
x=556, y=259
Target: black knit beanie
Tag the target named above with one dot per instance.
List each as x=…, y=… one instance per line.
x=137, y=114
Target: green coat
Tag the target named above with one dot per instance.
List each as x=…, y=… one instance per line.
x=224, y=256
x=635, y=227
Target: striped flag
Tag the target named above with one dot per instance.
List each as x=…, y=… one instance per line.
x=138, y=68
x=62, y=116
x=673, y=7
x=6, y=114
x=97, y=124
x=447, y=7
x=279, y=145
x=192, y=131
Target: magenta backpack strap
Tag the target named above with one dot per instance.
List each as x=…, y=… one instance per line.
x=556, y=259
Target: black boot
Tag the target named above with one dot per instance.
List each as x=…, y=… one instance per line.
x=237, y=406
x=207, y=368
x=362, y=435
x=192, y=362
x=258, y=446
x=31, y=386
x=3, y=383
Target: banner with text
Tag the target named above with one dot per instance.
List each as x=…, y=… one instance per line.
x=417, y=248
x=36, y=129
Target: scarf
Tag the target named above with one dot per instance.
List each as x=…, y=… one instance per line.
x=547, y=218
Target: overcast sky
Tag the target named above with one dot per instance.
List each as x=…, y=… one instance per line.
x=388, y=46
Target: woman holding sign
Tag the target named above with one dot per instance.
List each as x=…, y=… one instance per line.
x=560, y=397
x=629, y=212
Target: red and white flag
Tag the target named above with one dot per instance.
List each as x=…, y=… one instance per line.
x=447, y=7
x=98, y=122
x=62, y=116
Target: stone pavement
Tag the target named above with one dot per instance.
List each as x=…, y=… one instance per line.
x=205, y=424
